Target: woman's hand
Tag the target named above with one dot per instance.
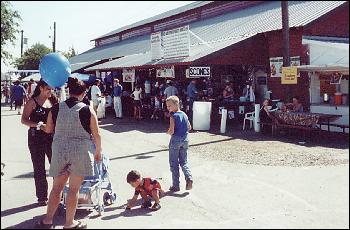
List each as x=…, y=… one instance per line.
x=98, y=155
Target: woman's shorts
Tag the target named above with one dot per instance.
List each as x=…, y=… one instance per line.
x=137, y=103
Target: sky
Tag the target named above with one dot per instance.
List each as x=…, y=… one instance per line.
x=78, y=22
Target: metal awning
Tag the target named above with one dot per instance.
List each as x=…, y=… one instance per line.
x=219, y=32
x=331, y=68
x=197, y=51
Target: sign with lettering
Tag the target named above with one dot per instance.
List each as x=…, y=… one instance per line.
x=156, y=46
x=128, y=75
x=166, y=72
x=195, y=72
x=289, y=75
x=276, y=64
x=176, y=42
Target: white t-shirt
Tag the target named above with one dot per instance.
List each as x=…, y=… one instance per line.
x=95, y=90
x=137, y=94
x=32, y=88
x=157, y=104
x=147, y=87
x=170, y=91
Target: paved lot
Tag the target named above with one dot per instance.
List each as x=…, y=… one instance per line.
x=241, y=180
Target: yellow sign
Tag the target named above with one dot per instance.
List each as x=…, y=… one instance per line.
x=289, y=75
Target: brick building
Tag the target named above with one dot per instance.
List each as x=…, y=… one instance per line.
x=235, y=38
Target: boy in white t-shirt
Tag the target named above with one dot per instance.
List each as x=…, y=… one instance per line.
x=136, y=95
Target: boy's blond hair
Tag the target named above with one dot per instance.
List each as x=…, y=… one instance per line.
x=174, y=99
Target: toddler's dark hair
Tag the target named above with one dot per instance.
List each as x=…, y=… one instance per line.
x=76, y=86
x=132, y=176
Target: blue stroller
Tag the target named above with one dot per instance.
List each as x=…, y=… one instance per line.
x=92, y=188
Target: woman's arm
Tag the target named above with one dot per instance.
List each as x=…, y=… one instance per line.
x=172, y=125
x=50, y=126
x=189, y=126
x=27, y=110
x=96, y=134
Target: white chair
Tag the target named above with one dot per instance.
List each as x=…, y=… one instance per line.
x=250, y=117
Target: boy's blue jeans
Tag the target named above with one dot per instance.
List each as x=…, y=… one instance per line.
x=178, y=156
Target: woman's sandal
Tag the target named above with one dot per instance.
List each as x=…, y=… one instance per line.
x=40, y=225
x=79, y=225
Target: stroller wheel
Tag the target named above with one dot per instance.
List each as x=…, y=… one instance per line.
x=114, y=198
x=107, y=199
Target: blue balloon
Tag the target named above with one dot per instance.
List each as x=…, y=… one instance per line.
x=55, y=69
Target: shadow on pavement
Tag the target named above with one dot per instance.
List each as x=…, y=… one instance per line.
x=23, y=208
x=141, y=155
x=57, y=221
x=28, y=175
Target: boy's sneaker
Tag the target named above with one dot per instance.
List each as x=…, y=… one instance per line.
x=146, y=204
x=189, y=184
x=174, y=189
x=156, y=207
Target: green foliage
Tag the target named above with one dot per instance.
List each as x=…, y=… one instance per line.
x=31, y=57
x=9, y=27
x=70, y=53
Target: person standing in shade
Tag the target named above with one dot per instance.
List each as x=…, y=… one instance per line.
x=117, y=93
x=191, y=96
x=32, y=87
x=35, y=115
x=96, y=94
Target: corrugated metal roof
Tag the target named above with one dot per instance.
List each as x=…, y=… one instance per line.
x=223, y=30
x=166, y=14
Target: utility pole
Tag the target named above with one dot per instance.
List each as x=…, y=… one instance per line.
x=21, y=43
x=285, y=34
x=54, y=37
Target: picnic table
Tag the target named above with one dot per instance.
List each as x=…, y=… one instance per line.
x=302, y=120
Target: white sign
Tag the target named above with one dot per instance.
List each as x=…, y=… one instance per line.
x=276, y=64
x=156, y=46
x=128, y=75
x=176, y=42
x=195, y=72
x=166, y=72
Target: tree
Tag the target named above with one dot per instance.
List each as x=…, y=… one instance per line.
x=31, y=57
x=8, y=28
x=70, y=53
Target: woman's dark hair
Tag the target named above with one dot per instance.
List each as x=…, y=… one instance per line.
x=53, y=99
x=97, y=81
x=76, y=86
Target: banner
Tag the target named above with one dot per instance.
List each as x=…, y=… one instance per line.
x=156, y=46
x=289, y=75
x=196, y=72
x=128, y=75
x=176, y=42
x=166, y=72
x=276, y=64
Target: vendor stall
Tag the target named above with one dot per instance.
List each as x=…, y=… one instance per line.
x=329, y=93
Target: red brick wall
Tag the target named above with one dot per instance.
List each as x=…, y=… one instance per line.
x=275, y=49
x=334, y=24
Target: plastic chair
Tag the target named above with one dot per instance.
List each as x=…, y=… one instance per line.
x=250, y=117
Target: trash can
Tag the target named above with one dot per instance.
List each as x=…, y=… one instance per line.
x=201, y=115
